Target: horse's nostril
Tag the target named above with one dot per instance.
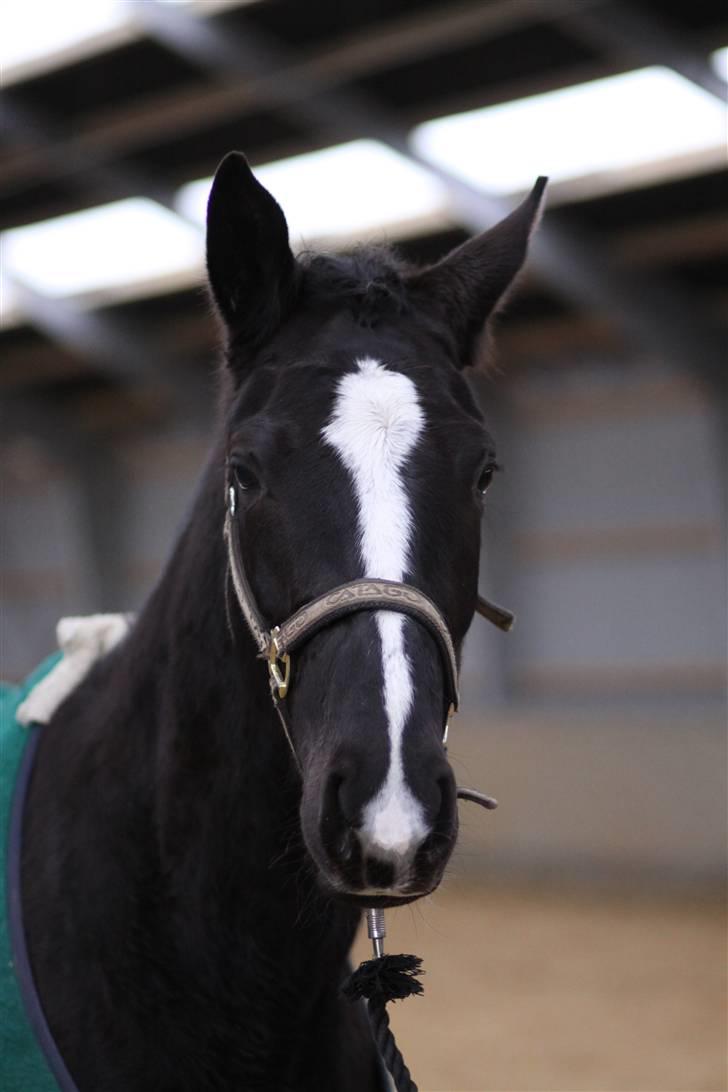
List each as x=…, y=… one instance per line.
x=341, y=800
x=432, y=849
x=348, y=800
x=334, y=800
x=436, y=847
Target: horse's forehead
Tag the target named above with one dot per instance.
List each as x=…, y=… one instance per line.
x=300, y=396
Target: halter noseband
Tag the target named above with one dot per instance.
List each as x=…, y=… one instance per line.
x=276, y=643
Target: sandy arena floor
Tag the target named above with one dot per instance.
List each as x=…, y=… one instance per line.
x=528, y=991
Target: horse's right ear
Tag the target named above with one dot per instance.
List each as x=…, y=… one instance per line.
x=249, y=263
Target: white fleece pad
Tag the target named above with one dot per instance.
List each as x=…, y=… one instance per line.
x=82, y=641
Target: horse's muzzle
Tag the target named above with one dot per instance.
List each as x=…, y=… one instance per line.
x=407, y=859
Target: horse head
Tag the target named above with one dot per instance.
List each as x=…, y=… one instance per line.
x=356, y=449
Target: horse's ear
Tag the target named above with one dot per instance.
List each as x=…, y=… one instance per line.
x=249, y=263
x=470, y=283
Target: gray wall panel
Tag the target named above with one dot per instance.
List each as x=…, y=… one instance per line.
x=627, y=613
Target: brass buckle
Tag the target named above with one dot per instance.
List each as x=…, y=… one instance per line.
x=278, y=680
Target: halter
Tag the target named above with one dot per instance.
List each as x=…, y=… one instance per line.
x=276, y=643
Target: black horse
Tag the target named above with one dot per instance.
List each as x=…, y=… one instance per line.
x=191, y=887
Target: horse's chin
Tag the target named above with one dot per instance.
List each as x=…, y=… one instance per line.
x=371, y=900
x=378, y=902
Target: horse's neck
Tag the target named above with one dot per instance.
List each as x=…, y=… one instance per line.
x=193, y=693
x=165, y=801
x=213, y=717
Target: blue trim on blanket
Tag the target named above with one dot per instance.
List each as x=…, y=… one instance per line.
x=21, y=959
x=30, y=1060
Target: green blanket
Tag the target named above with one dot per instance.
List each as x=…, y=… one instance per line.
x=22, y=1065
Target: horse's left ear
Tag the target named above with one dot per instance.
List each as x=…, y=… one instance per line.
x=470, y=283
x=249, y=262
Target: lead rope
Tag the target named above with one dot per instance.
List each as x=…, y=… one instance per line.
x=386, y=978
x=378, y=981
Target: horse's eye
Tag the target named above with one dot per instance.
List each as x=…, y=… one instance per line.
x=245, y=478
x=486, y=477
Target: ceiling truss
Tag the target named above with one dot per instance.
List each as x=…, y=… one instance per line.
x=251, y=69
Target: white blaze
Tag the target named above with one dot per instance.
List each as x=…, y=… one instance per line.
x=376, y=423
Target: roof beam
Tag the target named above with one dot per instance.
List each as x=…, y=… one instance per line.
x=117, y=348
x=272, y=75
x=636, y=37
x=111, y=133
x=108, y=134
x=116, y=345
x=88, y=169
x=653, y=314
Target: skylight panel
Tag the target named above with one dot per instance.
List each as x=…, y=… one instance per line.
x=135, y=241
x=50, y=30
x=350, y=190
x=719, y=61
x=595, y=128
x=43, y=34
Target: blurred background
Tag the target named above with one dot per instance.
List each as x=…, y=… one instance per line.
x=579, y=942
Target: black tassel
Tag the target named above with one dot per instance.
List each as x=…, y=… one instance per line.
x=388, y=978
